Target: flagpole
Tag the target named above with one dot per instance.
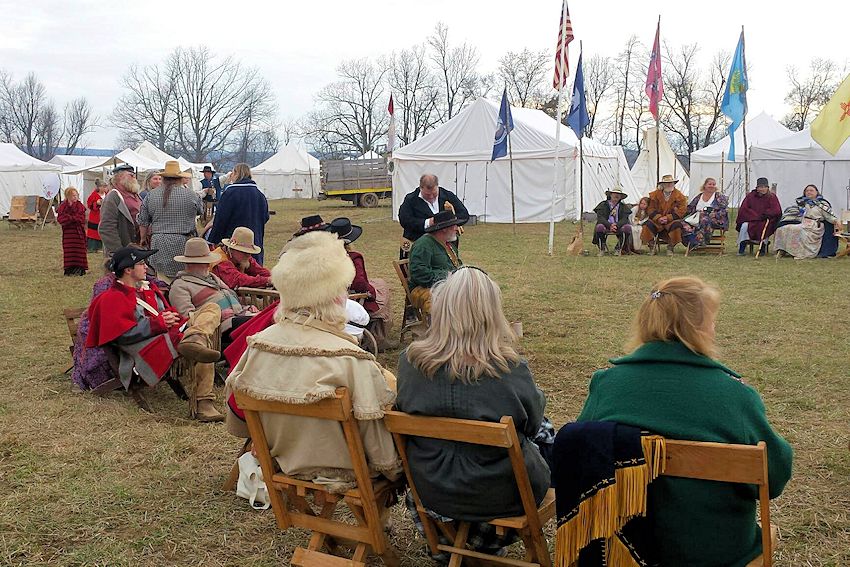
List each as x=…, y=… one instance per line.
x=722, y=158
x=511, y=166
x=486, y=179
x=746, y=149
x=562, y=46
x=658, y=121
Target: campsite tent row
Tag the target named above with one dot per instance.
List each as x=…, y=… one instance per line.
x=459, y=153
x=22, y=174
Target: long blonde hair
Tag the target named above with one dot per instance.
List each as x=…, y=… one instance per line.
x=469, y=333
x=240, y=171
x=678, y=309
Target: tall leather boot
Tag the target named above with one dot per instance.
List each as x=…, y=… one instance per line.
x=197, y=339
x=201, y=402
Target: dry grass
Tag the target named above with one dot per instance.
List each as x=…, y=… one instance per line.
x=95, y=481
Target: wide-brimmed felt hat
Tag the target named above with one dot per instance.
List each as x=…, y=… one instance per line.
x=128, y=257
x=311, y=224
x=123, y=167
x=196, y=251
x=208, y=169
x=172, y=170
x=313, y=270
x=762, y=182
x=444, y=219
x=668, y=179
x=617, y=191
x=242, y=240
x=346, y=231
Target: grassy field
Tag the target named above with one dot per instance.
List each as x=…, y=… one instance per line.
x=96, y=481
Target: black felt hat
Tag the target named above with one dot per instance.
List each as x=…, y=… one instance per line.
x=344, y=230
x=128, y=257
x=444, y=219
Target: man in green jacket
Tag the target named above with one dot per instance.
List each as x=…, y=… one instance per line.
x=432, y=257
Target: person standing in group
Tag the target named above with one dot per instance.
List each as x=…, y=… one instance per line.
x=758, y=216
x=153, y=181
x=71, y=216
x=167, y=220
x=243, y=204
x=118, y=225
x=417, y=211
x=94, y=202
x=210, y=184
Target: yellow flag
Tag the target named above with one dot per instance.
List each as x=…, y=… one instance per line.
x=832, y=126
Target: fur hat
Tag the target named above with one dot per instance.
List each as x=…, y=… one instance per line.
x=313, y=269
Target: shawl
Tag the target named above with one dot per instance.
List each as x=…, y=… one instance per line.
x=600, y=503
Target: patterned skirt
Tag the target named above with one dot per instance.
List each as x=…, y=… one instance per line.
x=169, y=246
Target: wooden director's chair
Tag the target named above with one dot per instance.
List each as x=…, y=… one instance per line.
x=745, y=464
x=716, y=244
x=411, y=316
x=504, y=435
x=291, y=498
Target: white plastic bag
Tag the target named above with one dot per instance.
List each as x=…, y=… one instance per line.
x=250, y=485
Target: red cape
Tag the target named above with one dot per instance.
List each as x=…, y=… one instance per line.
x=113, y=312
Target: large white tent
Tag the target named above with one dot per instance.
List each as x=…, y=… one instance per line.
x=22, y=174
x=797, y=160
x=459, y=153
x=151, y=152
x=291, y=173
x=644, y=170
x=79, y=178
x=708, y=161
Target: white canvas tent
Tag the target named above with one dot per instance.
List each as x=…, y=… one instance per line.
x=291, y=173
x=643, y=171
x=151, y=152
x=795, y=161
x=707, y=161
x=459, y=153
x=22, y=174
x=79, y=180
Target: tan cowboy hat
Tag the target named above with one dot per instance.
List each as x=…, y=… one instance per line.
x=197, y=251
x=618, y=191
x=172, y=170
x=668, y=179
x=242, y=240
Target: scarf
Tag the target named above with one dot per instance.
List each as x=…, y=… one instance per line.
x=600, y=503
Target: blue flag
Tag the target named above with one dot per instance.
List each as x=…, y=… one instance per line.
x=734, y=104
x=503, y=128
x=578, y=118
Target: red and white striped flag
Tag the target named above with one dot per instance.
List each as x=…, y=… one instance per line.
x=654, y=83
x=391, y=130
x=565, y=36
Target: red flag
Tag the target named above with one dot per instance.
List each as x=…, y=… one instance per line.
x=391, y=130
x=654, y=84
x=565, y=36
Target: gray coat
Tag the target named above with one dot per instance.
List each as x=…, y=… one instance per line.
x=472, y=482
x=117, y=228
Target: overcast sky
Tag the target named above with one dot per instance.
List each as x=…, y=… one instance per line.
x=82, y=47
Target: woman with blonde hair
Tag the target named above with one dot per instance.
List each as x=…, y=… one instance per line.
x=467, y=367
x=71, y=216
x=242, y=204
x=670, y=385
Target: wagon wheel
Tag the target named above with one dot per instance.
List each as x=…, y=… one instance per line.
x=368, y=342
x=369, y=200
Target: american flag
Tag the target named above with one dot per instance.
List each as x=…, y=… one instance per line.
x=565, y=36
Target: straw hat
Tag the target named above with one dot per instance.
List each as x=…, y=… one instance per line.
x=668, y=179
x=314, y=269
x=172, y=170
x=197, y=251
x=615, y=191
x=242, y=240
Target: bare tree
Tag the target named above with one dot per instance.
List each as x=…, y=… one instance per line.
x=713, y=90
x=416, y=93
x=808, y=94
x=290, y=130
x=24, y=104
x=457, y=67
x=524, y=75
x=625, y=72
x=351, y=116
x=78, y=121
x=146, y=111
x=598, y=83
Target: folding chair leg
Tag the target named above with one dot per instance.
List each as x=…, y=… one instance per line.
x=177, y=388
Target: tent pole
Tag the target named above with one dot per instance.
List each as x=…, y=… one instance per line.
x=722, y=157
x=513, y=200
x=486, y=179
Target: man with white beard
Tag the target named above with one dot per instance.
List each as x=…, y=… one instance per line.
x=119, y=226
x=236, y=266
x=432, y=257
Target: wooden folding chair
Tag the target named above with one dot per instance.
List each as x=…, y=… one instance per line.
x=411, y=315
x=502, y=434
x=745, y=464
x=368, y=502
x=258, y=297
x=72, y=319
x=716, y=244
